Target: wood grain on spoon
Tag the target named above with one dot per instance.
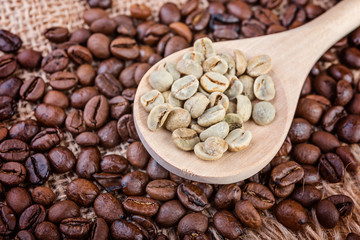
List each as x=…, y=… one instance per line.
x=293, y=54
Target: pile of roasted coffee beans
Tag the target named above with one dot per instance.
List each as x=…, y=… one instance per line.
x=94, y=104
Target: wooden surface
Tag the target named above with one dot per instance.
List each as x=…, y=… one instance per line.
x=293, y=53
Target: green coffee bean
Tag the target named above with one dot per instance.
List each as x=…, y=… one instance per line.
x=263, y=113
x=212, y=149
x=211, y=116
x=185, y=138
x=205, y=47
x=219, y=98
x=215, y=64
x=185, y=87
x=243, y=107
x=238, y=139
x=248, y=86
x=150, y=99
x=177, y=118
x=234, y=121
x=235, y=88
x=214, y=82
x=170, y=98
x=264, y=88
x=240, y=62
x=259, y=65
x=160, y=80
x=197, y=104
x=170, y=68
x=220, y=129
x=231, y=64
x=195, y=56
x=189, y=67
x=158, y=115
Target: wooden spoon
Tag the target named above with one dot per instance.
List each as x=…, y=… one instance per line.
x=293, y=54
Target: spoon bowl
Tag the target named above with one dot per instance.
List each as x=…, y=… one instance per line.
x=293, y=55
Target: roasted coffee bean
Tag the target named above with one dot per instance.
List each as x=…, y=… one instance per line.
x=56, y=98
x=352, y=236
x=306, y=153
x=43, y=195
x=134, y=183
x=294, y=16
x=311, y=175
x=99, y=4
x=32, y=89
x=55, y=61
x=225, y=34
x=291, y=214
x=266, y=16
x=108, y=207
x=348, y=129
x=9, y=42
x=118, y=106
x=198, y=20
x=8, y=219
x=147, y=226
x=124, y=48
x=208, y=189
x=24, y=235
x=12, y=173
x=275, y=28
x=57, y=34
x=113, y=163
x=192, y=222
x=127, y=76
x=137, y=155
x=80, y=54
x=87, y=139
x=126, y=128
x=224, y=21
x=331, y=117
x=8, y=65
x=175, y=43
x=96, y=112
x=354, y=106
x=62, y=210
x=170, y=213
x=227, y=196
x=247, y=214
x=10, y=87
x=129, y=94
x=169, y=13
x=281, y=192
x=154, y=33
x=50, y=115
x=327, y=214
x=227, y=225
x=192, y=197
x=300, y=130
x=310, y=110
x=140, y=11
x=181, y=29
x=348, y=158
x=239, y=9
x=112, y=66
x=46, y=139
x=343, y=204
x=108, y=135
x=325, y=85
x=287, y=173
x=331, y=167
x=63, y=80
x=86, y=74
x=351, y=57
x=62, y=159
x=77, y=228
x=252, y=28
x=24, y=130
x=18, y=199
x=38, y=168
x=121, y=229
x=80, y=97
x=270, y=3
x=340, y=72
x=306, y=195
x=354, y=37
x=80, y=36
x=143, y=206
x=98, y=43
x=14, y=150
x=215, y=8
x=105, y=26
x=306, y=90
x=47, y=231
x=110, y=181
x=155, y=170
x=99, y=230
x=161, y=189
x=3, y=132
x=93, y=14
x=259, y=195
x=88, y=162
x=325, y=141
x=31, y=217
x=125, y=25
x=82, y=191
x=145, y=53
x=108, y=85
x=7, y=107
x=74, y=122
x=313, y=11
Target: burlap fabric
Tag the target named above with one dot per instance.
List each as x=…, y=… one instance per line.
x=29, y=19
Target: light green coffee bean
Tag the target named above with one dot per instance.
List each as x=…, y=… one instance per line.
x=259, y=65
x=189, y=67
x=170, y=68
x=212, y=149
x=150, y=99
x=194, y=56
x=199, y=129
x=158, y=115
x=235, y=88
x=219, y=98
x=264, y=88
x=238, y=139
x=248, y=86
x=197, y=104
x=234, y=121
x=160, y=80
x=205, y=47
x=211, y=116
x=263, y=113
x=169, y=98
x=201, y=90
x=214, y=82
x=185, y=138
x=220, y=129
x=240, y=62
x=177, y=118
x=231, y=64
x=185, y=87
x=243, y=107
x=232, y=108
x=215, y=64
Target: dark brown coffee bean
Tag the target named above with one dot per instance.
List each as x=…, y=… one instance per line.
x=87, y=139
x=147, y=226
x=3, y=131
x=129, y=94
x=57, y=34
x=306, y=87
x=12, y=173
x=143, y=206
x=137, y=155
x=121, y=229
x=118, y=106
x=24, y=235
x=325, y=141
x=175, y=43
x=10, y=87
x=99, y=230
x=134, y=183
x=327, y=214
x=50, y=115
x=18, y=199
x=294, y=16
x=227, y=225
x=306, y=153
x=112, y=66
x=47, y=231
x=266, y=16
x=86, y=74
x=96, y=112
x=225, y=34
x=55, y=61
x=108, y=207
x=340, y=72
x=32, y=89
x=154, y=58
x=291, y=214
x=247, y=214
x=62, y=210
x=140, y=11
x=300, y=130
x=80, y=54
x=14, y=150
x=198, y=20
x=161, y=189
x=160, y=48
x=331, y=167
x=307, y=195
x=270, y=3
x=63, y=80
x=170, y=213
x=38, y=168
x=252, y=28
x=348, y=158
x=154, y=33
x=88, y=162
x=348, y=129
x=56, y=98
x=275, y=28
x=93, y=14
x=344, y=93
x=351, y=57
x=104, y=25
x=108, y=135
x=155, y=170
x=108, y=85
x=31, y=217
x=98, y=43
x=215, y=8
x=239, y=9
x=325, y=85
x=80, y=36
x=82, y=191
x=169, y=13
x=310, y=110
x=124, y=48
x=110, y=181
x=227, y=196
x=113, y=163
x=313, y=10
x=352, y=236
x=331, y=117
x=43, y=195
x=259, y=195
x=74, y=122
x=46, y=139
x=142, y=28
x=126, y=25
x=182, y=30
x=80, y=97
x=62, y=159
x=126, y=128
x=8, y=220
x=189, y=7
x=287, y=173
x=354, y=106
x=343, y=204
x=7, y=107
x=192, y=197
x=77, y=228
x=8, y=65
x=192, y=222
x=100, y=4
x=281, y=192
x=9, y=42
x=24, y=130
x=354, y=37
x=311, y=175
